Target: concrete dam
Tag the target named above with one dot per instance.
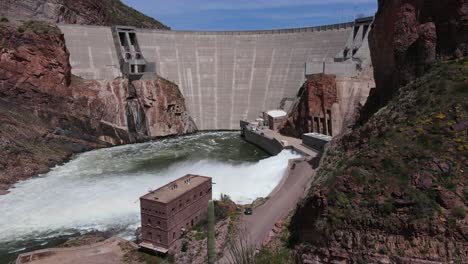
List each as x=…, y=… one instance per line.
x=224, y=76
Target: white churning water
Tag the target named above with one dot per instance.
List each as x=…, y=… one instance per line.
x=99, y=190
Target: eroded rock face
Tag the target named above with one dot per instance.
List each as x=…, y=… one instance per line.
x=317, y=97
x=327, y=99
x=144, y=108
x=32, y=62
x=407, y=37
x=88, y=12
x=164, y=106
x=47, y=114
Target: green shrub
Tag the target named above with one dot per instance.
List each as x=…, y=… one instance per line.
x=451, y=222
x=184, y=246
x=38, y=27
x=4, y=19
x=278, y=256
x=465, y=194
x=459, y=212
x=382, y=250
x=223, y=207
x=424, y=204
x=387, y=207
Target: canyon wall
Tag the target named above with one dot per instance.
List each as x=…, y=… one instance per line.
x=417, y=32
x=393, y=188
x=48, y=114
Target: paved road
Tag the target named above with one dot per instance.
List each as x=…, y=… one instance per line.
x=280, y=203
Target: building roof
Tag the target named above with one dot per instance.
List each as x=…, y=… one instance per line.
x=175, y=188
x=276, y=113
x=318, y=136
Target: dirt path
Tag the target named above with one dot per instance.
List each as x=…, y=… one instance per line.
x=106, y=252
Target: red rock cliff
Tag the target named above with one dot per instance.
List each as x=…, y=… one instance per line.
x=409, y=35
x=313, y=110
x=47, y=114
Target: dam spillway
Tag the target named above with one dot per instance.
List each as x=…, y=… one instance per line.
x=224, y=76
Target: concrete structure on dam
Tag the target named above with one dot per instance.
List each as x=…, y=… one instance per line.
x=225, y=76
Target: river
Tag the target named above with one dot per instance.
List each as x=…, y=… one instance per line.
x=99, y=190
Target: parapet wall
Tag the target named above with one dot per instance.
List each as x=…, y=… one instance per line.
x=224, y=76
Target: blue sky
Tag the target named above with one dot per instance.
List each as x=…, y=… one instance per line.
x=251, y=14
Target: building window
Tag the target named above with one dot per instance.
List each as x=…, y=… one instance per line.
x=150, y=236
x=173, y=235
x=149, y=221
x=201, y=193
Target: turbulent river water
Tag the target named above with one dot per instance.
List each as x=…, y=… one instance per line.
x=99, y=190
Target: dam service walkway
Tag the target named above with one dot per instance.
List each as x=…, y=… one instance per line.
x=294, y=143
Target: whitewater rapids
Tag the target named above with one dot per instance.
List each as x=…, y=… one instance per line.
x=100, y=190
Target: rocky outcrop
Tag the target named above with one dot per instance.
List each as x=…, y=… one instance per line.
x=144, y=108
x=165, y=109
x=407, y=36
x=87, y=12
x=327, y=99
x=316, y=99
x=47, y=114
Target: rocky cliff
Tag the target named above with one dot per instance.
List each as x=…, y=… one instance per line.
x=88, y=12
x=407, y=36
x=328, y=98
x=393, y=189
x=47, y=113
x=316, y=96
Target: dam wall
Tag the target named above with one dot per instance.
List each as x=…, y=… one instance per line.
x=224, y=76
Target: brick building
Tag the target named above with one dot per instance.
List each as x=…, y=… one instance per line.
x=169, y=211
